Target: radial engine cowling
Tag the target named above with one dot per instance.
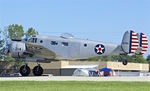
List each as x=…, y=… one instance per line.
x=17, y=48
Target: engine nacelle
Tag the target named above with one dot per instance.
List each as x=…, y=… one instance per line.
x=17, y=48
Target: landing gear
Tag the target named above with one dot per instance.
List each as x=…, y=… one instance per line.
x=38, y=70
x=124, y=62
x=25, y=70
x=123, y=59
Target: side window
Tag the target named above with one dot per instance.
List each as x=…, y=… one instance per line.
x=85, y=45
x=54, y=43
x=41, y=41
x=64, y=43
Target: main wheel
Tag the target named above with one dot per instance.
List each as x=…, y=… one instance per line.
x=25, y=70
x=125, y=62
x=38, y=70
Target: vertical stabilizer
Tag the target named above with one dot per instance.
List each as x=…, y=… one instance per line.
x=130, y=42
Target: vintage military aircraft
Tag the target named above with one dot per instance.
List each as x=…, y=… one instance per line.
x=67, y=47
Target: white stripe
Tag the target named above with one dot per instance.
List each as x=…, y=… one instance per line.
x=144, y=45
x=135, y=44
x=135, y=40
x=144, y=48
x=143, y=52
x=144, y=42
x=134, y=33
x=143, y=35
x=134, y=37
x=144, y=39
x=134, y=47
x=133, y=50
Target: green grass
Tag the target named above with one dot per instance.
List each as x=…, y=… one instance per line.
x=73, y=86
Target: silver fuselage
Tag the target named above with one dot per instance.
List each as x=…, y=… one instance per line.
x=73, y=48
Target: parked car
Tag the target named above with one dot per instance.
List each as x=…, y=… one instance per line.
x=85, y=72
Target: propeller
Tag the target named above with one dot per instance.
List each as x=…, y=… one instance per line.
x=7, y=47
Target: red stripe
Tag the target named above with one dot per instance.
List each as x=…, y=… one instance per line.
x=144, y=40
x=144, y=50
x=144, y=37
x=134, y=42
x=134, y=38
x=144, y=46
x=133, y=48
x=135, y=45
x=134, y=35
x=144, y=43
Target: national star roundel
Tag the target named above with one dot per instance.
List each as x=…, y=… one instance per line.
x=99, y=49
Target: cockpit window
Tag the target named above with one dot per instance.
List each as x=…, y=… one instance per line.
x=64, y=43
x=54, y=43
x=33, y=40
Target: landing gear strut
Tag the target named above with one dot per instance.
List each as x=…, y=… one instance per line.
x=25, y=70
x=37, y=70
x=123, y=58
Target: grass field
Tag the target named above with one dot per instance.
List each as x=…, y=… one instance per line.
x=73, y=86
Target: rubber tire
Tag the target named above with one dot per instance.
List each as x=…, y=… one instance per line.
x=125, y=62
x=25, y=70
x=37, y=71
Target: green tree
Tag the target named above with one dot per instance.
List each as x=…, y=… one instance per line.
x=138, y=59
x=93, y=59
x=1, y=47
x=15, y=31
x=133, y=58
x=30, y=32
x=106, y=58
x=148, y=58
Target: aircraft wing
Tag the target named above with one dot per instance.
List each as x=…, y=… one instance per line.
x=35, y=50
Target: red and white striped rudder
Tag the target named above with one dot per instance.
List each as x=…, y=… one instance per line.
x=143, y=43
x=134, y=42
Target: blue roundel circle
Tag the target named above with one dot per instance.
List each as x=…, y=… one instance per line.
x=99, y=49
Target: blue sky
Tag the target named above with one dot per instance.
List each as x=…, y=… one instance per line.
x=101, y=20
